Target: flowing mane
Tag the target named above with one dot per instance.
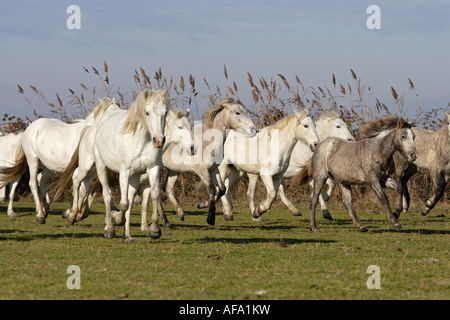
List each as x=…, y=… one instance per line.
x=210, y=114
x=136, y=114
x=102, y=106
x=374, y=128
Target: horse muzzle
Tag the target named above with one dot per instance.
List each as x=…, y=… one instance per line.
x=159, y=142
x=252, y=132
x=313, y=146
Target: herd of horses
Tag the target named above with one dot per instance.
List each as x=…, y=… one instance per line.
x=137, y=142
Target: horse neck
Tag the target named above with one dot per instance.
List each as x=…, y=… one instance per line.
x=287, y=138
x=387, y=146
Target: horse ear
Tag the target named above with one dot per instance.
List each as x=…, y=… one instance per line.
x=299, y=113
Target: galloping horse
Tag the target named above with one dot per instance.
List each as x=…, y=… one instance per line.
x=433, y=149
x=366, y=161
x=266, y=155
x=52, y=143
x=217, y=120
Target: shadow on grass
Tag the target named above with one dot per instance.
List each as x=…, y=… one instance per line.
x=26, y=238
x=284, y=241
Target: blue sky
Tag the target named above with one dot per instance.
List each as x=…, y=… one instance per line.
x=311, y=39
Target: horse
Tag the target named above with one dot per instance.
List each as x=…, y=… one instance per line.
x=433, y=149
x=369, y=161
x=129, y=142
x=8, y=145
x=50, y=142
x=228, y=115
x=81, y=170
x=328, y=124
x=266, y=155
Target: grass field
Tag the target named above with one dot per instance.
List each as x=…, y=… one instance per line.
x=275, y=259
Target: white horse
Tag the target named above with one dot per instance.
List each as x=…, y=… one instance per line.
x=129, y=142
x=81, y=170
x=52, y=143
x=8, y=147
x=328, y=124
x=266, y=155
x=229, y=114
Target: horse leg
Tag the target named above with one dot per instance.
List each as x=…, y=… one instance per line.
x=155, y=194
x=42, y=179
x=325, y=197
x=346, y=191
x=172, y=178
x=2, y=194
x=102, y=174
x=33, y=167
x=86, y=198
x=227, y=204
x=132, y=189
x=12, y=193
x=119, y=216
x=252, y=183
x=319, y=183
x=439, y=184
x=144, y=208
x=272, y=184
x=286, y=201
x=376, y=187
x=162, y=214
x=217, y=180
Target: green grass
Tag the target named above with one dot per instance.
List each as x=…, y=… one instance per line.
x=275, y=259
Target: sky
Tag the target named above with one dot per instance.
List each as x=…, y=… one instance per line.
x=311, y=39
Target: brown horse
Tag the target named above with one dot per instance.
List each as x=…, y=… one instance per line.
x=366, y=161
x=434, y=155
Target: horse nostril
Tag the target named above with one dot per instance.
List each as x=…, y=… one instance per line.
x=192, y=150
x=315, y=145
x=154, y=140
x=164, y=140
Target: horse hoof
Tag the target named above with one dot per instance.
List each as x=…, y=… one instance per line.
x=397, y=226
x=40, y=220
x=363, y=229
x=109, y=234
x=296, y=213
x=326, y=214
x=211, y=220
x=128, y=240
x=314, y=230
x=180, y=217
x=167, y=225
x=425, y=211
x=155, y=235
x=12, y=215
x=228, y=217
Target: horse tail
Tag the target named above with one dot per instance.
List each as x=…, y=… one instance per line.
x=305, y=175
x=8, y=175
x=59, y=187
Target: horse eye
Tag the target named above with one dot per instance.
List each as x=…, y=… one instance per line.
x=305, y=125
x=338, y=127
x=147, y=113
x=238, y=113
x=403, y=137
